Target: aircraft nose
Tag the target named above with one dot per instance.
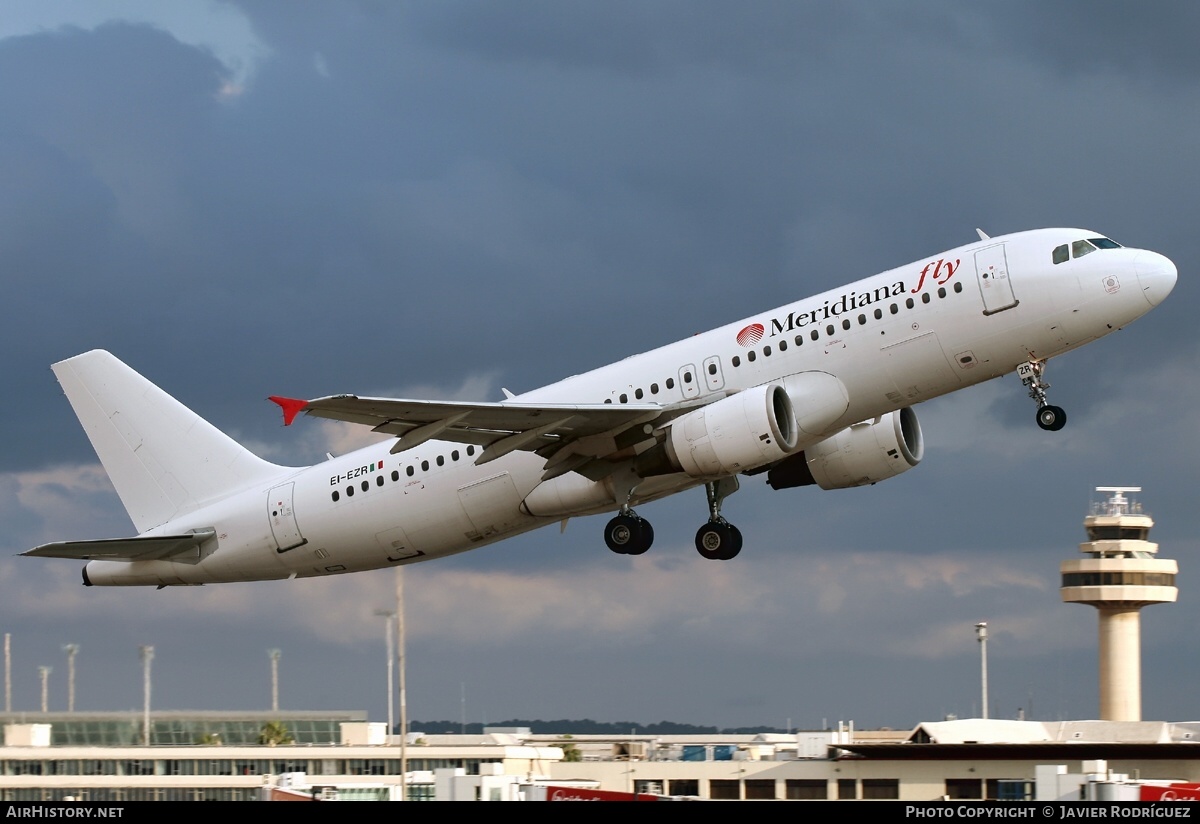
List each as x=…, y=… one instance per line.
x=1156, y=274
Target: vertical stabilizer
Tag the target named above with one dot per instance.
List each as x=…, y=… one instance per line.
x=163, y=458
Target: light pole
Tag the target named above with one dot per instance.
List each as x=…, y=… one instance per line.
x=403, y=696
x=981, y=635
x=147, y=654
x=274, y=655
x=44, y=672
x=390, y=617
x=70, y=650
x=8, y=672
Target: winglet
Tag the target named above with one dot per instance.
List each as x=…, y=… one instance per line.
x=983, y=235
x=291, y=407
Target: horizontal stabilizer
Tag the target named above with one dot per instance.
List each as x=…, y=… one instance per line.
x=155, y=548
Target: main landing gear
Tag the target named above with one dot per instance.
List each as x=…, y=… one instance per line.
x=1051, y=418
x=718, y=540
x=628, y=534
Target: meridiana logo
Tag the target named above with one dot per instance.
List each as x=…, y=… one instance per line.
x=751, y=335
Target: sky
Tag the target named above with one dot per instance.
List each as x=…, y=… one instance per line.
x=444, y=199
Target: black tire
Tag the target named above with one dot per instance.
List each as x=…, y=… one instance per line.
x=620, y=533
x=735, y=543
x=715, y=541
x=1051, y=418
x=643, y=539
x=628, y=535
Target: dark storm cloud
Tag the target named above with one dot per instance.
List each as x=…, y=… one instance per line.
x=1108, y=37
x=419, y=198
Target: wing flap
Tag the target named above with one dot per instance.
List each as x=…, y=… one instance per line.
x=151, y=548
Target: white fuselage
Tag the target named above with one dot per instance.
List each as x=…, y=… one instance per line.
x=895, y=339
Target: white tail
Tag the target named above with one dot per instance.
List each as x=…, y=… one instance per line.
x=163, y=458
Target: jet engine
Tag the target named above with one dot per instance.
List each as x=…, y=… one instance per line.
x=732, y=435
x=862, y=454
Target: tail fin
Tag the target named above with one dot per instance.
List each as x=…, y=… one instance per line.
x=163, y=459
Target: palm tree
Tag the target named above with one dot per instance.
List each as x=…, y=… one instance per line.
x=274, y=733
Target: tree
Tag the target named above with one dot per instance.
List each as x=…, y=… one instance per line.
x=274, y=733
x=571, y=752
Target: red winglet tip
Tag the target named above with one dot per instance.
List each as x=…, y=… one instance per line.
x=291, y=407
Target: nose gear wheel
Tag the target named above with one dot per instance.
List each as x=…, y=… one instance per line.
x=1049, y=417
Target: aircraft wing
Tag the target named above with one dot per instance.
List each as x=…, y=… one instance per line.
x=156, y=548
x=569, y=436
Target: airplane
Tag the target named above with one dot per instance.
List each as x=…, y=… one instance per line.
x=819, y=391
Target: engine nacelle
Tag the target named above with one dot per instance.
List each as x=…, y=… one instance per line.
x=735, y=434
x=862, y=454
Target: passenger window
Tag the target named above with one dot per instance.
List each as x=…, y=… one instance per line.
x=624, y=398
x=958, y=287
x=712, y=369
x=799, y=340
x=441, y=460
x=736, y=361
x=336, y=496
x=895, y=309
x=409, y=470
x=470, y=450
x=878, y=313
x=349, y=492
x=925, y=297
x=941, y=291
x=846, y=324
x=752, y=356
x=378, y=480
x=366, y=485
x=814, y=334
x=1060, y=254
x=670, y=383
x=783, y=346
x=687, y=377
x=454, y=455
x=766, y=351
x=608, y=400
x=909, y=303
x=829, y=330
x=862, y=320
x=654, y=389
x=637, y=393
x=395, y=476
x=424, y=466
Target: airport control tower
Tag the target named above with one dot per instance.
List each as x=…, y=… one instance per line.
x=1118, y=575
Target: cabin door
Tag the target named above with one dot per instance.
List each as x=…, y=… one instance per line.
x=991, y=269
x=283, y=518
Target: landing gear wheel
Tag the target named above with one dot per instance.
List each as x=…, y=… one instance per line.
x=718, y=541
x=645, y=537
x=628, y=535
x=1051, y=418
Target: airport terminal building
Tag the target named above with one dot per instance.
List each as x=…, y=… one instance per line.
x=341, y=756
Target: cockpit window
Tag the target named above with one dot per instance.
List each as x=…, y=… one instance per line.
x=1061, y=255
x=1080, y=248
x=1104, y=243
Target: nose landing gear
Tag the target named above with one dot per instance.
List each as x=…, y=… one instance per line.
x=1049, y=417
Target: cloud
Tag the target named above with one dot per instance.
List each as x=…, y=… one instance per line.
x=217, y=27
